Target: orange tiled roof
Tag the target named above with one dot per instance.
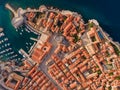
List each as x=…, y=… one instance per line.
x=38, y=81
x=39, y=53
x=18, y=79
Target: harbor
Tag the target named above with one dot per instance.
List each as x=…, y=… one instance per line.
x=17, y=34
x=6, y=50
x=12, y=39
x=60, y=52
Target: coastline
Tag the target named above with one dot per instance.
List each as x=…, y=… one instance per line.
x=67, y=11
x=83, y=51
x=111, y=39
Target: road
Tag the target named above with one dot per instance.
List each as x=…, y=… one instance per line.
x=43, y=67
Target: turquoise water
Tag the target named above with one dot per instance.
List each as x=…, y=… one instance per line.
x=105, y=11
x=17, y=38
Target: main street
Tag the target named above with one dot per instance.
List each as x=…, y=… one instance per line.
x=43, y=65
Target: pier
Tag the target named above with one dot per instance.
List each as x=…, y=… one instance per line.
x=27, y=56
x=11, y=9
x=34, y=39
x=18, y=18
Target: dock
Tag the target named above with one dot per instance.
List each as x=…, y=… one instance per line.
x=21, y=51
x=34, y=39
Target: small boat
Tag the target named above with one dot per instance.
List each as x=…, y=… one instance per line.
x=8, y=44
x=6, y=39
x=22, y=30
x=27, y=30
x=2, y=41
x=5, y=45
x=26, y=43
x=20, y=33
x=17, y=30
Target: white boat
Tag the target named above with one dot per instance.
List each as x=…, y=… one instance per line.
x=2, y=41
x=27, y=30
x=17, y=30
x=8, y=44
x=22, y=30
x=20, y=33
x=5, y=45
x=6, y=39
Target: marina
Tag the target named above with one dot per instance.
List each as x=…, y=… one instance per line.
x=24, y=31
x=6, y=50
x=58, y=50
x=11, y=39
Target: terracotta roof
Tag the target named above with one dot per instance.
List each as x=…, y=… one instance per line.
x=39, y=53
